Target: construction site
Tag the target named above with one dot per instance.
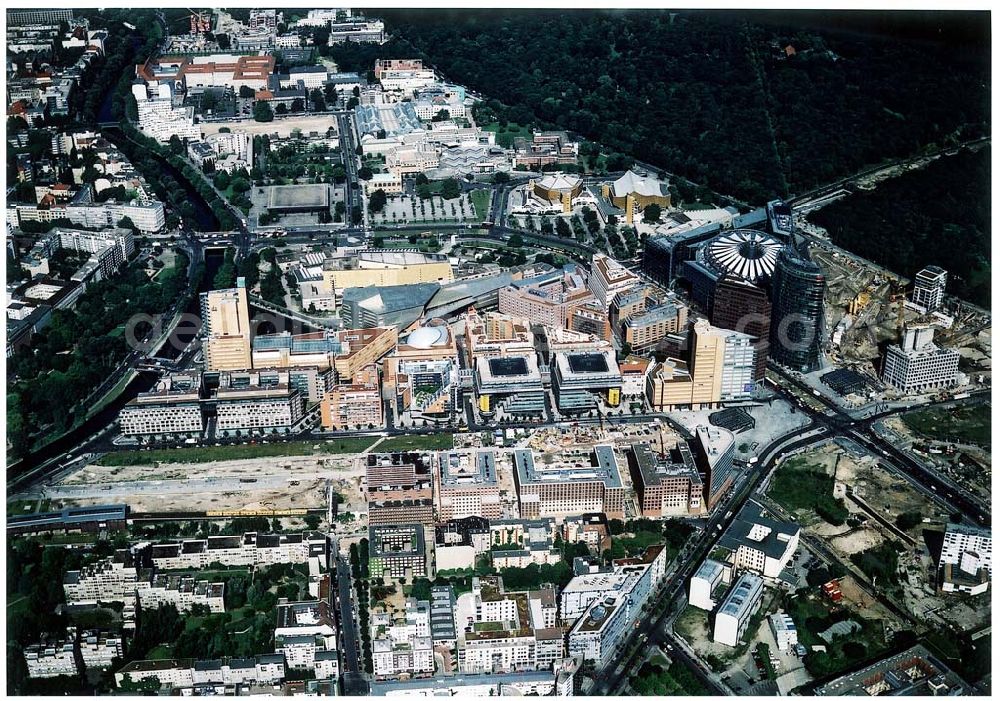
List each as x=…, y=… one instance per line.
x=867, y=307
x=884, y=513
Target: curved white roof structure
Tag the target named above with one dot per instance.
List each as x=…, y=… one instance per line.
x=637, y=184
x=427, y=337
x=560, y=182
x=743, y=253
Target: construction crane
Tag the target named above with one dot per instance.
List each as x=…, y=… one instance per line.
x=897, y=294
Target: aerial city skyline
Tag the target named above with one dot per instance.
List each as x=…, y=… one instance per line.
x=492, y=352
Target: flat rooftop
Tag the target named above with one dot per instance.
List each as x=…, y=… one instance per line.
x=601, y=466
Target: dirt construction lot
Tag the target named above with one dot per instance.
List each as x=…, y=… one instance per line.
x=278, y=482
x=282, y=127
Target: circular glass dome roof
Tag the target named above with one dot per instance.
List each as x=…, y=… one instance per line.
x=743, y=253
x=427, y=337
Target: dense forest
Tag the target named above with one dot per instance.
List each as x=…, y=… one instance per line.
x=750, y=108
x=939, y=215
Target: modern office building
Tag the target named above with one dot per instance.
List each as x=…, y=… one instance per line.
x=492, y=334
x=512, y=383
x=256, y=402
x=608, y=278
x=929, y=286
x=590, y=318
x=467, y=485
x=426, y=389
x=737, y=609
x=180, y=404
x=796, y=311
x=393, y=305
x=759, y=543
x=709, y=578
x=397, y=476
x=581, y=381
x=356, y=404
x=721, y=368
x=966, y=562
x=575, y=484
x=743, y=254
x=348, y=352
x=546, y=299
x=227, y=329
x=171, y=408
x=780, y=220
x=644, y=331
x=397, y=552
x=918, y=364
x=715, y=449
x=743, y=306
x=662, y=256
x=666, y=482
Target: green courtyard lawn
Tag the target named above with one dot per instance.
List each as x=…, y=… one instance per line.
x=481, y=201
x=236, y=452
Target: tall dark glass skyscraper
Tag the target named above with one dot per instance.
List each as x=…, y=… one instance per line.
x=796, y=311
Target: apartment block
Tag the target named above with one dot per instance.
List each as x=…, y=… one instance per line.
x=183, y=593
x=402, y=644
x=185, y=673
x=50, y=659
x=250, y=549
x=113, y=579
x=99, y=649
x=397, y=551
x=511, y=631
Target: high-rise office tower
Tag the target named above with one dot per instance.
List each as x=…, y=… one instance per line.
x=928, y=287
x=742, y=306
x=796, y=310
x=226, y=318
